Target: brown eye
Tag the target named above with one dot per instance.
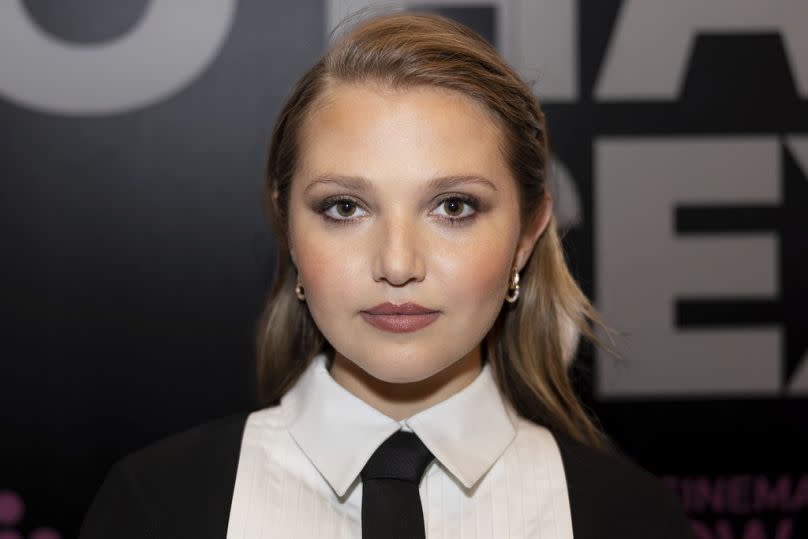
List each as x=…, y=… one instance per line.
x=346, y=208
x=458, y=208
x=454, y=207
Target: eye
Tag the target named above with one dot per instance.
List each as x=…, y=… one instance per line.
x=458, y=208
x=342, y=209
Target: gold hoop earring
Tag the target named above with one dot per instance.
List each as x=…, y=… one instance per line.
x=299, y=290
x=514, y=286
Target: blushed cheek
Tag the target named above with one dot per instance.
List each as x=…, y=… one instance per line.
x=317, y=264
x=478, y=278
x=328, y=271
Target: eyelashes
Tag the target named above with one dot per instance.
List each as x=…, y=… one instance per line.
x=349, y=204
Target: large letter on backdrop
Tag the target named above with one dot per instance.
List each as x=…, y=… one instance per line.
x=171, y=45
x=798, y=146
x=643, y=266
x=651, y=41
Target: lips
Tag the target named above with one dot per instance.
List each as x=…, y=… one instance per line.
x=406, y=308
x=399, y=318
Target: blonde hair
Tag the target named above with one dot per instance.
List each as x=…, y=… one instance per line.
x=533, y=341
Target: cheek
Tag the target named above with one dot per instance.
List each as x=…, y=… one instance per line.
x=466, y=270
x=477, y=276
x=329, y=269
x=320, y=262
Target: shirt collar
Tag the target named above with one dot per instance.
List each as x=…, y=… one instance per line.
x=338, y=431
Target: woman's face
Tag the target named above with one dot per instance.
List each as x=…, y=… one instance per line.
x=403, y=197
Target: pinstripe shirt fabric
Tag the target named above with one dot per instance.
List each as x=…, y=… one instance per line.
x=495, y=474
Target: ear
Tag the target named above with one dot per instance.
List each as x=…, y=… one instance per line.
x=533, y=231
x=292, y=255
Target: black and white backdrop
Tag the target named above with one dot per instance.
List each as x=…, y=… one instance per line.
x=134, y=255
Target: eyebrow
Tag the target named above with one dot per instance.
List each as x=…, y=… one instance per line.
x=363, y=184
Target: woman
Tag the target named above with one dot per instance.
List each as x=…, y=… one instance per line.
x=422, y=317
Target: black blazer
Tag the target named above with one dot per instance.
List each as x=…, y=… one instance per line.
x=182, y=487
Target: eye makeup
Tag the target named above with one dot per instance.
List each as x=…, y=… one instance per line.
x=323, y=207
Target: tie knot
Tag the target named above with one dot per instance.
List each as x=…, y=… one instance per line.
x=402, y=456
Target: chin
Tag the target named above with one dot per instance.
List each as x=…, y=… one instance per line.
x=401, y=370
x=396, y=376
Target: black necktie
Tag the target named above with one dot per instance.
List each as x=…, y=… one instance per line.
x=391, y=505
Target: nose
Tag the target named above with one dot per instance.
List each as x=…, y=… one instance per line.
x=399, y=250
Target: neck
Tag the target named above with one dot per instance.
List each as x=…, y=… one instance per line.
x=400, y=401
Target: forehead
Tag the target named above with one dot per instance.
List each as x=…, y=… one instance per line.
x=416, y=133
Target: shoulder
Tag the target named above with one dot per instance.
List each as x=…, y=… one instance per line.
x=612, y=496
x=217, y=440
x=179, y=486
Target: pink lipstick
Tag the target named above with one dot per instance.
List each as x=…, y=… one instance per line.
x=399, y=318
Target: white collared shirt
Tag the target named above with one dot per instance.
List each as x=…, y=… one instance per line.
x=495, y=474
